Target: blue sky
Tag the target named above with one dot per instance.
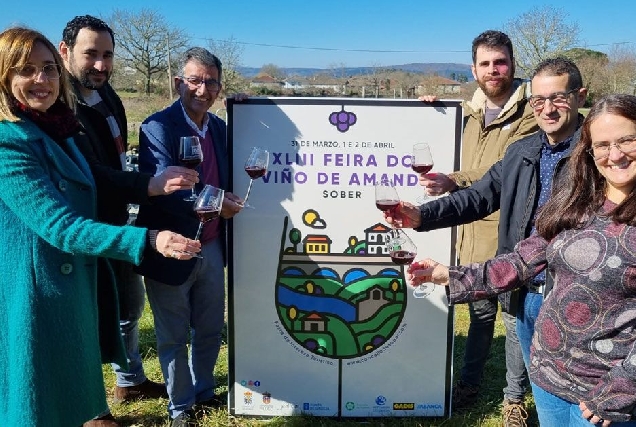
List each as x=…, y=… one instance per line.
x=345, y=32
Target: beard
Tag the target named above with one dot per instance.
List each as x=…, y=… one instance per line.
x=85, y=81
x=498, y=91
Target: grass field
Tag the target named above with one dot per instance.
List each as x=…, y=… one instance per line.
x=152, y=413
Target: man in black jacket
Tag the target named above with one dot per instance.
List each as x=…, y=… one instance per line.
x=87, y=48
x=518, y=184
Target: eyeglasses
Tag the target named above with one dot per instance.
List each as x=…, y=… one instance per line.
x=625, y=145
x=30, y=71
x=194, y=83
x=558, y=99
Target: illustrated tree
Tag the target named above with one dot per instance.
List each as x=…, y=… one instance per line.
x=540, y=33
x=309, y=286
x=292, y=313
x=146, y=43
x=294, y=237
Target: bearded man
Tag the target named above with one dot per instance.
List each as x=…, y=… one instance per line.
x=497, y=115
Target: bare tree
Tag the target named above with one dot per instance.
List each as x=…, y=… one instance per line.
x=229, y=52
x=273, y=70
x=622, y=69
x=539, y=34
x=145, y=42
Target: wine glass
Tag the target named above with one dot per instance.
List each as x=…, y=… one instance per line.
x=422, y=163
x=207, y=206
x=386, y=197
x=256, y=167
x=402, y=251
x=190, y=156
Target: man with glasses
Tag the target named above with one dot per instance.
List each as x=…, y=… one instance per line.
x=87, y=48
x=519, y=183
x=188, y=298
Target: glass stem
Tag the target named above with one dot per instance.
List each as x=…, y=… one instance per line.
x=249, y=188
x=199, y=231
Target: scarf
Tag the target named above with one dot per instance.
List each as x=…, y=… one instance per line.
x=58, y=122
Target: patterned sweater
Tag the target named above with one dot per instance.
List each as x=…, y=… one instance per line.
x=584, y=346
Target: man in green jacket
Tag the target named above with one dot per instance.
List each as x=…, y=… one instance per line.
x=496, y=116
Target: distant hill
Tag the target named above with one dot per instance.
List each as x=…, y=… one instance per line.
x=441, y=69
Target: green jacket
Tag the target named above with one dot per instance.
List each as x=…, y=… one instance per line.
x=482, y=146
x=50, y=356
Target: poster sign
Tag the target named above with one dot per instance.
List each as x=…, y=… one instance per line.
x=321, y=321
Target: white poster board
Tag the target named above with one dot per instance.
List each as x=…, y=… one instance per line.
x=321, y=321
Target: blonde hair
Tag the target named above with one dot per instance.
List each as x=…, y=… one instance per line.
x=16, y=45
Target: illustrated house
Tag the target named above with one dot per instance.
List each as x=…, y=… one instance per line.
x=376, y=236
x=314, y=322
x=370, y=305
x=317, y=244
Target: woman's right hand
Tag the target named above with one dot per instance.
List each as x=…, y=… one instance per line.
x=174, y=245
x=427, y=270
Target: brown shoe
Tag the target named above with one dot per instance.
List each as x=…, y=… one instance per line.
x=514, y=413
x=464, y=395
x=104, y=421
x=146, y=390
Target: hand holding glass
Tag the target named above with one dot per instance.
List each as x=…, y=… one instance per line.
x=208, y=206
x=422, y=163
x=386, y=197
x=256, y=167
x=402, y=251
x=190, y=156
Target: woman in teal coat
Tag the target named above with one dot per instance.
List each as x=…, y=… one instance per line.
x=50, y=359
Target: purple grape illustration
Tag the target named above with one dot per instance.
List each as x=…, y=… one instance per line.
x=342, y=119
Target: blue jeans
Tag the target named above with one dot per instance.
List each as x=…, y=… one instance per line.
x=556, y=412
x=527, y=314
x=132, y=297
x=193, y=310
x=480, y=334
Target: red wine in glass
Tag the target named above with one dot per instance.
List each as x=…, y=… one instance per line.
x=190, y=156
x=402, y=257
x=190, y=163
x=207, y=214
x=255, y=172
x=255, y=167
x=422, y=162
x=386, y=205
x=421, y=168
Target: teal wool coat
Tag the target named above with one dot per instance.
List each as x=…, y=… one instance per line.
x=50, y=361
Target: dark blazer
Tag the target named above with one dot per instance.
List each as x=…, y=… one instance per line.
x=158, y=149
x=511, y=186
x=115, y=187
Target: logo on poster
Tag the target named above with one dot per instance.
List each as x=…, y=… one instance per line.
x=380, y=400
x=247, y=398
x=403, y=406
x=307, y=406
x=250, y=383
x=267, y=397
x=350, y=406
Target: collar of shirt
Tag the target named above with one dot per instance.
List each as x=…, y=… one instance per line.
x=200, y=132
x=559, y=147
